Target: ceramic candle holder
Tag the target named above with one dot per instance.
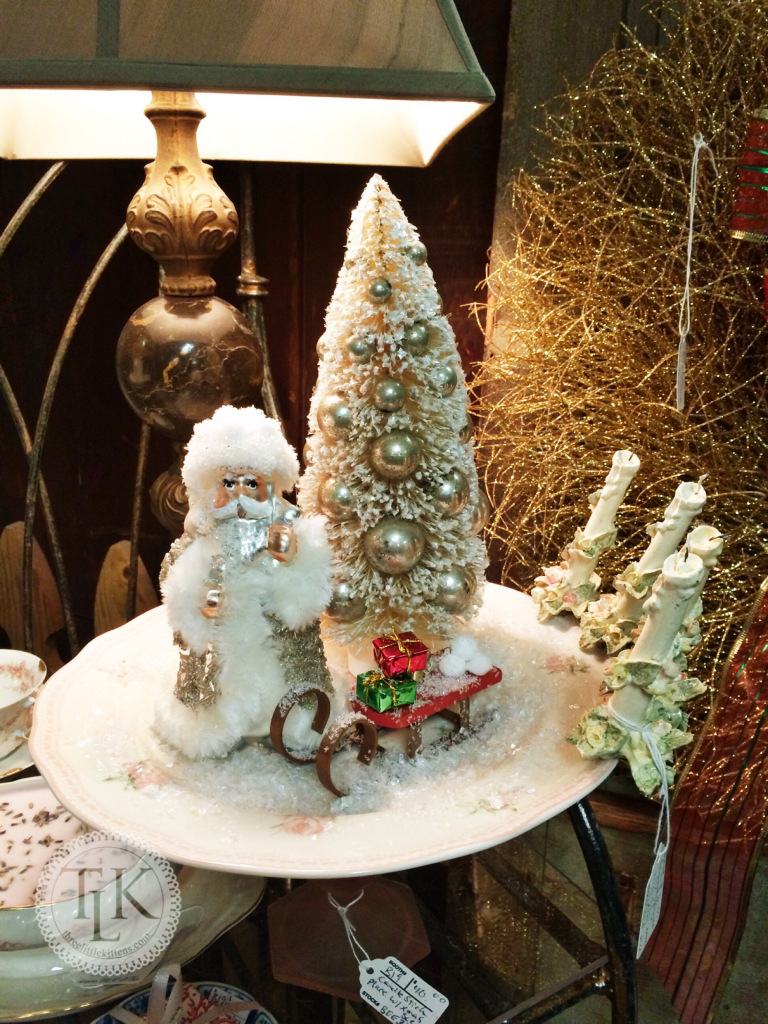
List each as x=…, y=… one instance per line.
x=21, y=675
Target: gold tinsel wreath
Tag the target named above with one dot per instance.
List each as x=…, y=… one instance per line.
x=586, y=290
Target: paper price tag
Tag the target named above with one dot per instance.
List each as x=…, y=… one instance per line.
x=398, y=994
x=652, y=902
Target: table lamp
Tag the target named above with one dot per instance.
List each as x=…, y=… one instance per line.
x=385, y=82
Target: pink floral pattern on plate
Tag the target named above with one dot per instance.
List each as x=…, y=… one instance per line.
x=303, y=825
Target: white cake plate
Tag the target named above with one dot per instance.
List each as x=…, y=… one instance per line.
x=92, y=739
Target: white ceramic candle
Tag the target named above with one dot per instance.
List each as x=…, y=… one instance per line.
x=687, y=503
x=680, y=581
x=707, y=543
x=623, y=468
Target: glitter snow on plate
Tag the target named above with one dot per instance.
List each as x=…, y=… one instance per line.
x=255, y=812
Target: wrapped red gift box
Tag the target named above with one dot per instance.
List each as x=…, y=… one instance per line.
x=397, y=653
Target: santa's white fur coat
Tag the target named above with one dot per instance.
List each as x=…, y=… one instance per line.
x=251, y=680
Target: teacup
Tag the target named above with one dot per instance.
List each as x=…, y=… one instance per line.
x=21, y=675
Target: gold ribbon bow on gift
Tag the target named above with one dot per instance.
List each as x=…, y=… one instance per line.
x=373, y=679
x=402, y=645
x=163, y=1006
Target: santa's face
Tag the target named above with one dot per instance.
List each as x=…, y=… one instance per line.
x=242, y=492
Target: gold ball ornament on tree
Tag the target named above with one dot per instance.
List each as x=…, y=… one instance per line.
x=455, y=589
x=451, y=493
x=443, y=380
x=481, y=512
x=380, y=291
x=416, y=339
x=336, y=500
x=345, y=605
x=360, y=350
x=334, y=417
x=394, y=546
x=418, y=253
x=388, y=394
x=395, y=455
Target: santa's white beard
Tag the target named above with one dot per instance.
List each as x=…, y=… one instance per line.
x=251, y=679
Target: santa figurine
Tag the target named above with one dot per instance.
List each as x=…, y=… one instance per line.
x=244, y=587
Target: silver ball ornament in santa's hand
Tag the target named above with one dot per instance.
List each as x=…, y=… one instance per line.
x=334, y=417
x=396, y=455
x=454, y=589
x=416, y=339
x=418, y=253
x=394, y=546
x=481, y=512
x=443, y=379
x=388, y=394
x=451, y=494
x=380, y=290
x=336, y=500
x=360, y=350
x=345, y=605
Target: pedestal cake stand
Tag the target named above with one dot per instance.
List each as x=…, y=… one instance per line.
x=93, y=741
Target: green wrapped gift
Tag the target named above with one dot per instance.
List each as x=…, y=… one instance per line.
x=381, y=694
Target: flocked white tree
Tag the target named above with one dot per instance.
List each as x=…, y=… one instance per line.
x=389, y=455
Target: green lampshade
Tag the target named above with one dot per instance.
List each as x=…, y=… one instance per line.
x=348, y=81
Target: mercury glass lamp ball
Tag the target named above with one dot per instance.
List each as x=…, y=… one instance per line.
x=336, y=500
x=394, y=546
x=180, y=357
x=360, y=350
x=444, y=380
x=481, y=512
x=334, y=417
x=455, y=589
x=388, y=394
x=451, y=493
x=380, y=290
x=416, y=339
x=418, y=253
x=395, y=455
x=345, y=605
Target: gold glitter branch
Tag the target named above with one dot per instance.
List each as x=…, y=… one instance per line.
x=586, y=292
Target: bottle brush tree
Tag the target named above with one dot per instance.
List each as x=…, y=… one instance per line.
x=390, y=458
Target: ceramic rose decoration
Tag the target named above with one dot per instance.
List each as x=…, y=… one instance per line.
x=244, y=587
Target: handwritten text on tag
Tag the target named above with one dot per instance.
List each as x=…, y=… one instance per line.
x=398, y=994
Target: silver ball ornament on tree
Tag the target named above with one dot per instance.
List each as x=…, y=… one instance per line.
x=394, y=546
x=388, y=394
x=345, y=605
x=444, y=379
x=395, y=455
x=451, y=493
x=418, y=253
x=334, y=417
x=481, y=512
x=416, y=339
x=466, y=432
x=336, y=500
x=455, y=589
x=360, y=350
x=380, y=290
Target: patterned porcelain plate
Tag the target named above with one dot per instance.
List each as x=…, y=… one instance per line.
x=196, y=1001
x=93, y=740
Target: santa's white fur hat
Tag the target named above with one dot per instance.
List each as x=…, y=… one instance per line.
x=237, y=439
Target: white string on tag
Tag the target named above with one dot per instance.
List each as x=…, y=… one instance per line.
x=654, y=890
x=349, y=928
x=684, y=323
